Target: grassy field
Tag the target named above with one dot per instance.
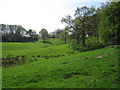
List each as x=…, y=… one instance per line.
x=91, y=69
x=34, y=48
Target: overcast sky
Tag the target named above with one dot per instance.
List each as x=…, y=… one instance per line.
x=38, y=14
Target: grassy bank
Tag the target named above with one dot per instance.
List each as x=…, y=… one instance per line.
x=92, y=69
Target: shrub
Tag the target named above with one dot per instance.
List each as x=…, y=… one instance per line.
x=92, y=42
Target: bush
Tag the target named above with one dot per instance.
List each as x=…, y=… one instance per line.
x=72, y=44
x=109, y=24
x=92, y=43
x=16, y=60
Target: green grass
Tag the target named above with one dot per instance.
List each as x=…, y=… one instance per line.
x=92, y=69
x=34, y=48
x=0, y=77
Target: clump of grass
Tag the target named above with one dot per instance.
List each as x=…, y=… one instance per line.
x=12, y=60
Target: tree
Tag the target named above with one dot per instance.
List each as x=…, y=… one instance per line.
x=68, y=20
x=92, y=25
x=58, y=33
x=81, y=15
x=65, y=34
x=31, y=32
x=78, y=26
x=18, y=33
x=43, y=34
x=110, y=23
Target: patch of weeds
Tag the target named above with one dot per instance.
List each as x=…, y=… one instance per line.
x=106, y=74
x=34, y=58
x=85, y=74
x=65, y=63
x=67, y=76
x=32, y=81
x=112, y=65
x=10, y=55
x=16, y=60
x=112, y=70
x=38, y=56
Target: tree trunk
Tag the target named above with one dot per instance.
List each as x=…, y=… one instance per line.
x=83, y=42
x=78, y=40
x=65, y=40
x=83, y=34
x=83, y=38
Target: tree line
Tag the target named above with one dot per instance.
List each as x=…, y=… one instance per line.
x=16, y=33
x=89, y=27
x=100, y=25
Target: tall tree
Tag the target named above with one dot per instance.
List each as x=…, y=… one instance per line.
x=77, y=25
x=65, y=34
x=43, y=34
x=82, y=15
x=57, y=33
x=68, y=20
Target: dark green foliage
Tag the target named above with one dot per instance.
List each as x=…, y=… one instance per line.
x=110, y=23
x=43, y=34
x=73, y=45
x=16, y=33
x=94, y=28
x=64, y=34
x=93, y=42
x=85, y=24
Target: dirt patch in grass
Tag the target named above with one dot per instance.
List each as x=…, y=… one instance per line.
x=103, y=55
